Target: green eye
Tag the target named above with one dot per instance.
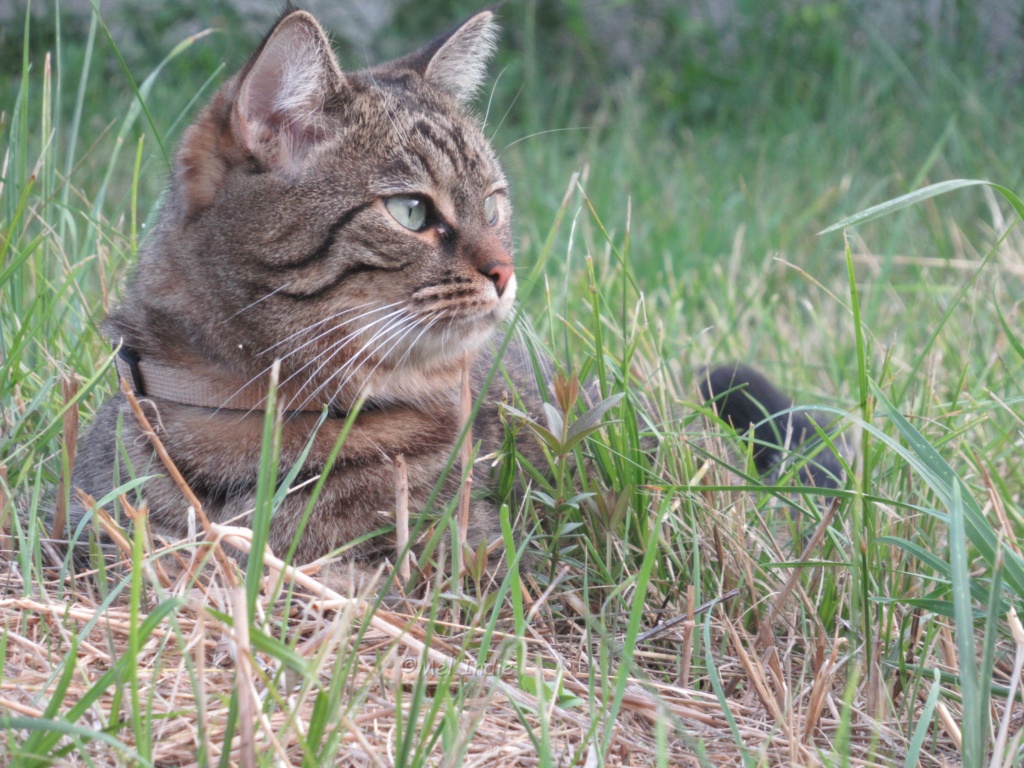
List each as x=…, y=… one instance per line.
x=407, y=210
x=491, y=210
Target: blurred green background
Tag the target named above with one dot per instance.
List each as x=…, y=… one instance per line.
x=726, y=135
x=855, y=100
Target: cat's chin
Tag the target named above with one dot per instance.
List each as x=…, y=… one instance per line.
x=428, y=370
x=445, y=346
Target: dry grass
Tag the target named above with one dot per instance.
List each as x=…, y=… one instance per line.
x=786, y=700
x=784, y=692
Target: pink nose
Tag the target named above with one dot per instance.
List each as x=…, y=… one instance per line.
x=499, y=274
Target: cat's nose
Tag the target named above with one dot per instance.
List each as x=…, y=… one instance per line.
x=499, y=274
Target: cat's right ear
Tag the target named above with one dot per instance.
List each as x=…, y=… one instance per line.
x=278, y=116
x=273, y=110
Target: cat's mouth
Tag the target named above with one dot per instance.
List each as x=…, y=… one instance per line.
x=465, y=303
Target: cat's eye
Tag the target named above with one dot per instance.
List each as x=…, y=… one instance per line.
x=491, y=210
x=408, y=210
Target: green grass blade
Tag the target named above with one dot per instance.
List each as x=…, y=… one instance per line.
x=49, y=738
x=76, y=120
x=966, y=642
x=139, y=720
x=266, y=486
x=862, y=523
x=1011, y=336
x=987, y=663
x=58, y=728
x=723, y=701
x=636, y=613
x=939, y=476
x=924, y=721
x=42, y=740
x=918, y=196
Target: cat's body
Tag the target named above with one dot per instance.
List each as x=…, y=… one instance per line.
x=354, y=226
x=218, y=452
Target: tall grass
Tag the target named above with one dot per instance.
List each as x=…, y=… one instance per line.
x=879, y=631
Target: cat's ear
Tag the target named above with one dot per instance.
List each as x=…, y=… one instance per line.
x=456, y=63
x=278, y=114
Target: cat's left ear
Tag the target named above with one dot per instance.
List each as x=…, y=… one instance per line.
x=279, y=110
x=456, y=63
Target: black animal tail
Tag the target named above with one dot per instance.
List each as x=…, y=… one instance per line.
x=743, y=397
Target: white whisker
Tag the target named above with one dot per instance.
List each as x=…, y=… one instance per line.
x=541, y=133
x=490, y=98
x=307, y=329
x=345, y=339
x=394, y=333
x=412, y=344
x=253, y=304
x=507, y=112
x=328, y=319
x=338, y=346
x=395, y=342
x=363, y=354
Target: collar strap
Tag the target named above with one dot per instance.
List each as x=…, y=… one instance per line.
x=232, y=393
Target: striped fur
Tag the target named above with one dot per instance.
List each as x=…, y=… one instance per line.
x=275, y=241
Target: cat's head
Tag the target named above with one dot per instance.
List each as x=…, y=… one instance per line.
x=354, y=224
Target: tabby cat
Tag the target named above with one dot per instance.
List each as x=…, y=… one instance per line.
x=356, y=227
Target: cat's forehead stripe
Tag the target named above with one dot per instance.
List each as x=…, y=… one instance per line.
x=429, y=134
x=423, y=163
x=439, y=140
